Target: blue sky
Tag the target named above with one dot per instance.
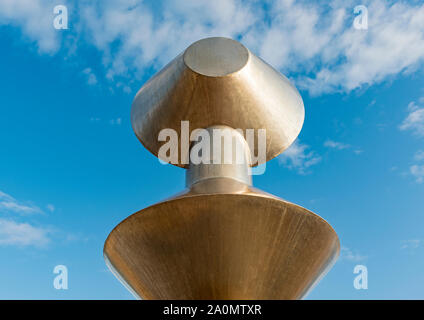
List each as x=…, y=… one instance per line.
x=71, y=167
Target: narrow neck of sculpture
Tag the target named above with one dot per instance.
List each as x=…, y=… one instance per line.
x=219, y=152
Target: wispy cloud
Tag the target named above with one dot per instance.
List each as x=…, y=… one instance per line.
x=349, y=255
x=116, y=121
x=358, y=151
x=91, y=77
x=414, y=120
x=312, y=42
x=419, y=155
x=298, y=157
x=336, y=145
x=417, y=171
x=331, y=144
x=22, y=234
x=112, y=122
x=10, y=204
x=35, y=19
x=319, y=40
x=410, y=244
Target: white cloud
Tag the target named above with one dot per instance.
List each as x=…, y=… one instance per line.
x=22, y=234
x=35, y=19
x=417, y=169
x=17, y=233
x=419, y=155
x=348, y=254
x=297, y=157
x=116, y=121
x=113, y=122
x=341, y=146
x=10, y=204
x=132, y=37
x=335, y=145
x=91, y=77
x=418, y=172
x=5, y=197
x=415, y=123
x=410, y=244
x=305, y=37
x=415, y=120
x=312, y=42
x=358, y=151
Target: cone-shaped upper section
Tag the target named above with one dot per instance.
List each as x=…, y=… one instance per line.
x=217, y=81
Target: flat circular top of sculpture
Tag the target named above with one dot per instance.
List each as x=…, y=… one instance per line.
x=216, y=57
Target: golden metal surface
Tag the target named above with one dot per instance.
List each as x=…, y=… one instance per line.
x=220, y=238
x=217, y=81
x=238, y=245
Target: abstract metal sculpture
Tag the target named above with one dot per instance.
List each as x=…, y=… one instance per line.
x=220, y=238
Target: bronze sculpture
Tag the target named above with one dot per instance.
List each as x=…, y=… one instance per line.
x=220, y=238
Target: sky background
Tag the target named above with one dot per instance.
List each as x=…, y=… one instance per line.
x=71, y=167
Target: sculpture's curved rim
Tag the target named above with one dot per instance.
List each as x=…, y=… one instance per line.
x=248, y=194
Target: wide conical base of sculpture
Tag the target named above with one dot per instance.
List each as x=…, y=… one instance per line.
x=205, y=245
